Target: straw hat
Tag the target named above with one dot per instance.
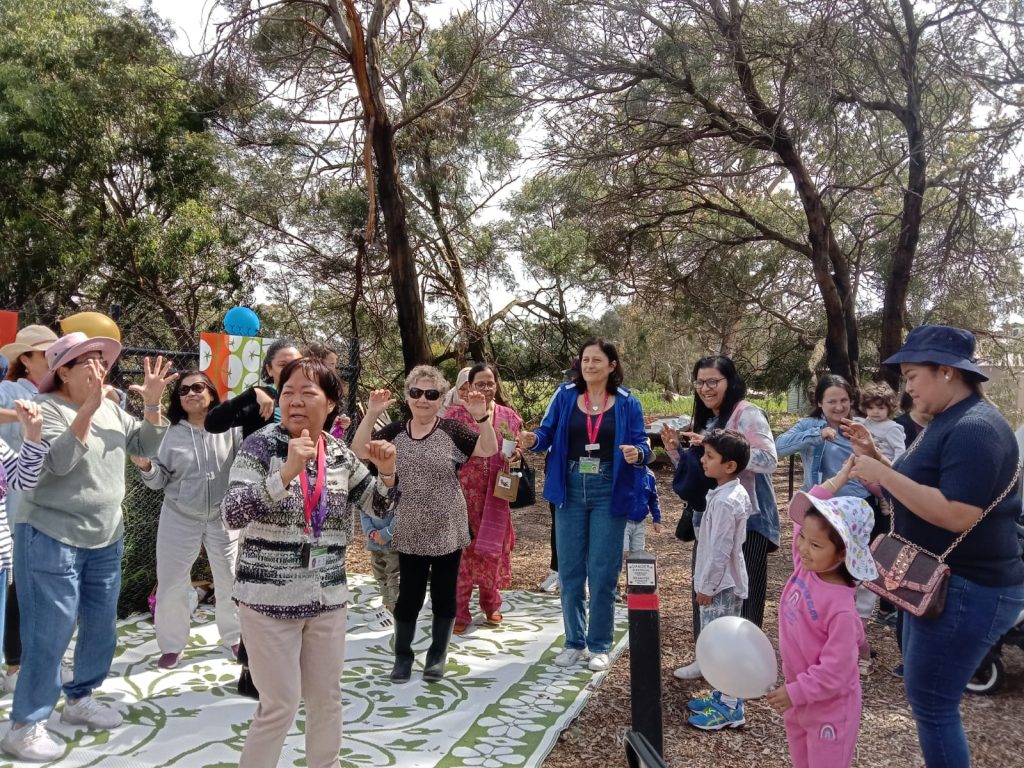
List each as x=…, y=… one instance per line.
x=31, y=338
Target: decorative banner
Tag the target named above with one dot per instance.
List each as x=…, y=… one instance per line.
x=8, y=327
x=232, y=362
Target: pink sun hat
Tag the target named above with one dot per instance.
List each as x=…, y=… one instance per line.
x=72, y=346
x=853, y=519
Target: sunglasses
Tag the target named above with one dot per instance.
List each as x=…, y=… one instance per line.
x=415, y=393
x=83, y=360
x=198, y=388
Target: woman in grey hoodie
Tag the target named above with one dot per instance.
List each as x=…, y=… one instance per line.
x=192, y=469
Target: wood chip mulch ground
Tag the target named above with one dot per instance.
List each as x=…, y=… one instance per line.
x=887, y=737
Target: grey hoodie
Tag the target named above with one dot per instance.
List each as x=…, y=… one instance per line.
x=192, y=469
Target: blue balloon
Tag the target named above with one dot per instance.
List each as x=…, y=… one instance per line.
x=241, y=321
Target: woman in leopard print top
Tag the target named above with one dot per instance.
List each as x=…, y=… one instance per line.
x=431, y=524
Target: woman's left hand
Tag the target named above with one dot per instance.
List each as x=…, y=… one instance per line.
x=779, y=699
x=868, y=470
x=631, y=454
x=155, y=380
x=476, y=404
x=31, y=418
x=382, y=454
x=859, y=437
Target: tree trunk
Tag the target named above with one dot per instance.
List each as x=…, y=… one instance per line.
x=412, y=326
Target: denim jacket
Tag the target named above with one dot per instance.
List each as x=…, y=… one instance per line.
x=553, y=434
x=805, y=437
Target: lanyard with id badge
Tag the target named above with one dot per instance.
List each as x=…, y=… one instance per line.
x=314, y=507
x=591, y=465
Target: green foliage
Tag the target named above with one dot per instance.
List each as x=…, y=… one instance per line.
x=109, y=177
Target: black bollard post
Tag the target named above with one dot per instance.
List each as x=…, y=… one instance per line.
x=644, y=648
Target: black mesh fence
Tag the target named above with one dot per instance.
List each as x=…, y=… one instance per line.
x=141, y=506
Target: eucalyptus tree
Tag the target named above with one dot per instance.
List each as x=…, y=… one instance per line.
x=805, y=141
x=373, y=99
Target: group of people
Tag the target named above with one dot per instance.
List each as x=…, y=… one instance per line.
x=944, y=476
x=267, y=483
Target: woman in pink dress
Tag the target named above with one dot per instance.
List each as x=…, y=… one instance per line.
x=487, y=561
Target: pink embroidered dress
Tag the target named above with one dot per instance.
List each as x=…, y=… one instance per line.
x=487, y=561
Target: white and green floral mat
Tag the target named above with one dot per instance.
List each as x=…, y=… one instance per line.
x=502, y=703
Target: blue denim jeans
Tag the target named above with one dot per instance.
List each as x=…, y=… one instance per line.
x=941, y=655
x=589, y=540
x=59, y=585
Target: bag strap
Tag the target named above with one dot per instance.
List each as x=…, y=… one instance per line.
x=942, y=558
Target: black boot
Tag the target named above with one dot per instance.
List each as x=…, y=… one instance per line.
x=404, y=633
x=437, y=654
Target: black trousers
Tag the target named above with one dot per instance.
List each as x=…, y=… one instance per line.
x=755, y=553
x=443, y=574
x=12, y=629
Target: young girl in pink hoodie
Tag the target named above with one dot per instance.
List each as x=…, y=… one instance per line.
x=819, y=629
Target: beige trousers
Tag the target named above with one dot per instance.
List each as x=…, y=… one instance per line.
x=293, y=659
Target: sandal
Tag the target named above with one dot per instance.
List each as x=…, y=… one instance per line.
x=460, y=629
x=495, y=618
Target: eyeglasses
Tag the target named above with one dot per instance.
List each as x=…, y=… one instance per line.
x=707, y=383
x=485, y=385
x=198, y=388
x=415, y=393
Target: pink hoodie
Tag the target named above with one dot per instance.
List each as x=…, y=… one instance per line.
x=819, y=633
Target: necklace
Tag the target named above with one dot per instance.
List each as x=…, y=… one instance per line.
x=595, y=407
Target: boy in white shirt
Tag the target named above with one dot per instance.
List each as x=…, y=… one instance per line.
x=720, y=573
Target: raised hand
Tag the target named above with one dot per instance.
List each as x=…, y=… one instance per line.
x=154, y=381
x=95, y=389
x=859, y=437
x=383, y=455
x=827, y=433
x=476, y=404
x=31, y=418
x=695, y=438
x=301, y=449
x=266, y=404
x=380, y=400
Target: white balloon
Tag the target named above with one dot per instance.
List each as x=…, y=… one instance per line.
x=737, y=658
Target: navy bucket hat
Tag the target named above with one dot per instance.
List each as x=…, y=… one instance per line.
x=939, y=345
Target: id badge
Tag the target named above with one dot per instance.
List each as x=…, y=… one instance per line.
x=317, y=558
x=589, y=466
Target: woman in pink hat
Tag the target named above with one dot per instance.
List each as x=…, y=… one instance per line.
x=70, y=537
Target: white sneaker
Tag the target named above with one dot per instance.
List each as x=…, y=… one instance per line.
x=689, y=672
x=598, y=662
x=550, y=584
x=31, y=742
x=89, y=712
x=570, y=656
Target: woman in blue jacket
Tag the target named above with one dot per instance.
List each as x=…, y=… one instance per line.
x=594, y=429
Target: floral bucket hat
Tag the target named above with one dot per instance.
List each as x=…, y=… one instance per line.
x=853, y=519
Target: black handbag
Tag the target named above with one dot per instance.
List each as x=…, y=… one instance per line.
x=526, y=496
x=692, y=486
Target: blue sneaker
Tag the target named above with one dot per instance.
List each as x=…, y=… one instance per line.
x=897, y=671
x=718, y=716
x=704, y=702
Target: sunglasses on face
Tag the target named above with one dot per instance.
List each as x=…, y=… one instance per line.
x=415, y=393
x=198, y=388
